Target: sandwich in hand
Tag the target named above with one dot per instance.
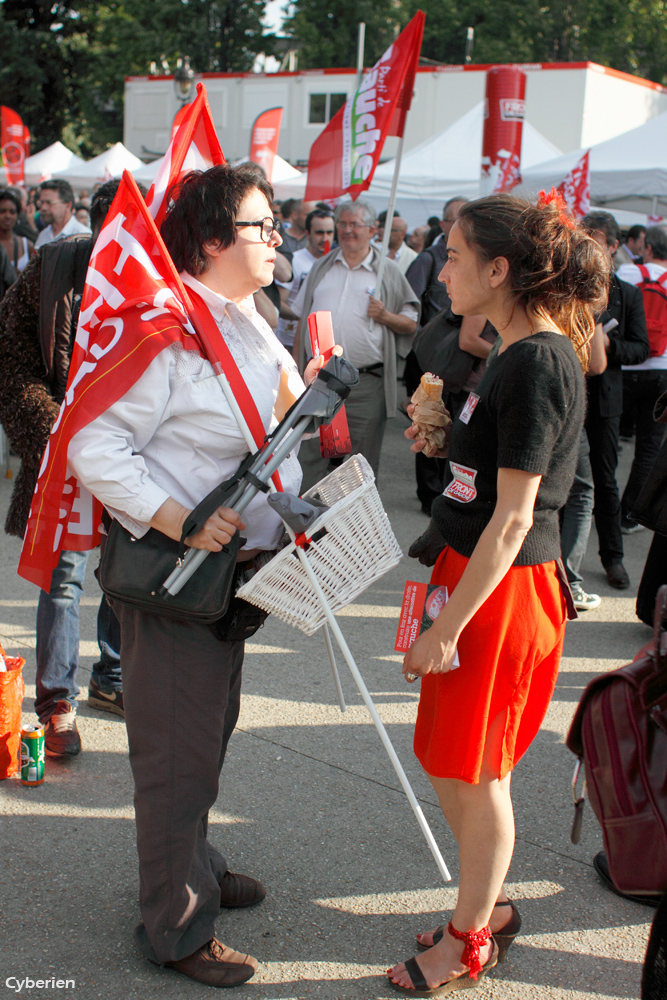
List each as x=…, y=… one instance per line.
x=430, y=416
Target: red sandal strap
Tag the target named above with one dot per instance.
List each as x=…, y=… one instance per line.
x=473, y=941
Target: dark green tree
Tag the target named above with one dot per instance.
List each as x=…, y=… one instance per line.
x=327, y=32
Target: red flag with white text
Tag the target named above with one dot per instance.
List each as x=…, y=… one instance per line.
x=131, y=309
x=194, y=146
x=576, y=188
x=344, y=156
x=264, y=139
x=12, y=144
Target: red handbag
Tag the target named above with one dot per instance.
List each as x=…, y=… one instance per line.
x=620, y=732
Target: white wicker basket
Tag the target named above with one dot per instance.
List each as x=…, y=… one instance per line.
x=357, y=548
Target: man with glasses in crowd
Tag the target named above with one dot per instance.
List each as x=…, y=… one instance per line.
x=423, y=272
x=320, y=230
x=56, y=209
x=367, y=322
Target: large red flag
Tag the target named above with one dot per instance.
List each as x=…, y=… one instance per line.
x=130, y=311
x=12, y=144
x=194, y=146
x=264, y=139
x=344, y=157
x=576, y=188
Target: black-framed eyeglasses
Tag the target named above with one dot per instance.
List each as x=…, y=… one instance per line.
x=267, y=227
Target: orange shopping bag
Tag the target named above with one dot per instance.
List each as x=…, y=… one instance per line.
x=11, y=701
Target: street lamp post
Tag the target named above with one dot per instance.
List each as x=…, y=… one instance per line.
x=184, y=79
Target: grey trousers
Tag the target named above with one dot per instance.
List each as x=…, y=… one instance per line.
x=366, y=417
x=182, y=690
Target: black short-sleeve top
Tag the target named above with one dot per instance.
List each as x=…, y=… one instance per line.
x=527, y=413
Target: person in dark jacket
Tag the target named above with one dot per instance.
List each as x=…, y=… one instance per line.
x=37, y=327
x=626, y=343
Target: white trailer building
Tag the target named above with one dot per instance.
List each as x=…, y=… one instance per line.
x=572, y=104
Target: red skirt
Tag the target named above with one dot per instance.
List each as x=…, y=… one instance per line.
x=509, y=653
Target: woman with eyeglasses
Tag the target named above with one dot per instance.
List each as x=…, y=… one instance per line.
x=151, y=458
x=17, y=248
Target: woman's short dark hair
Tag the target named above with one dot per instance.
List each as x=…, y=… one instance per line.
x=6, y=195
x=203, y=210
x=555, y=268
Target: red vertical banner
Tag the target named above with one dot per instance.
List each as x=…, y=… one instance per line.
x=264, y=139
x=12, y=144
x=26, y=141
x=504, y=109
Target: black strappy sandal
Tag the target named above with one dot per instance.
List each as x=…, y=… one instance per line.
x=503, y=938
x=467, y=981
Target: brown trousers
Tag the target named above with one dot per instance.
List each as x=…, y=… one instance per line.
x=182, y=690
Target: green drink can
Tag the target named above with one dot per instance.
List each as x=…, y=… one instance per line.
x=32, y=755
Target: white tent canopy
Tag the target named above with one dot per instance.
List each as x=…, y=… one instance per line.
x=47, y=162
x=282, y=170
x=101, y=168
x=446, y=165
x=443, y=166
x=627, y=172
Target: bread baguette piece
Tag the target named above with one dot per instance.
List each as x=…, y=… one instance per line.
x=430, y=416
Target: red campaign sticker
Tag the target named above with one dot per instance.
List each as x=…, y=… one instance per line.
x=469, y=408
x=462, y=486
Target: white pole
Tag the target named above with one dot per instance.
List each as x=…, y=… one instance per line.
x=363, y=690
x=354, y=670
x=387, y=224
x=360, y=52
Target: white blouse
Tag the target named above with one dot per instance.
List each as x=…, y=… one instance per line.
x=173, y=434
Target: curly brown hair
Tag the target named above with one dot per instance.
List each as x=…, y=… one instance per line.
x=555, y=269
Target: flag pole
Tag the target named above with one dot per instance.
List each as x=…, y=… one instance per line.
x=387, y=223
x=360, y=52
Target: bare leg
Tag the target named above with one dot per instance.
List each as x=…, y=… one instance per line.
x=449, y=792
x=483, y=816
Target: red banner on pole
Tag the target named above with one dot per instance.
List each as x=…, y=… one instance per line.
x=576, y=188
x=344, y=157
x=12, y=144
x=264, y=139
x=503, y=127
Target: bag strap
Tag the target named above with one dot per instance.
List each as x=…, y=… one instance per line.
x=644, y=271
x=206, y=325
x=662, y=280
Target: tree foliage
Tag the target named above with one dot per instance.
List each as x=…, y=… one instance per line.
x=64, y=63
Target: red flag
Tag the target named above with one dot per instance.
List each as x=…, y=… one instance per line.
x=576, y=188
x=26, y=141
x=129, y=313
x=264, y=139
x=194, y=146
x=12, y=144
x=344, y=157
x=134, y=305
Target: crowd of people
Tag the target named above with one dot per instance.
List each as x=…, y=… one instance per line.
x=547, y=363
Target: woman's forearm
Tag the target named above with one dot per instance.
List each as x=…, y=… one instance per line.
x=494, y=554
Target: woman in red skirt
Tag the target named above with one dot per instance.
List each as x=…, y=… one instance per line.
x=539, y=279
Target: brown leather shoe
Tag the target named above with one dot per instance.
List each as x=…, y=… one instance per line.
x=237, y=891
x=216, y=965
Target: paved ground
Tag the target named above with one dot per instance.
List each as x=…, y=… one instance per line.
x=311, y=805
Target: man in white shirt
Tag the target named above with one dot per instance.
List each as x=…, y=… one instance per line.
x=56, y=208
x=643, y=383
x=398, y=249
x=632, y=250
x=366, y=322
x=320, y=235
